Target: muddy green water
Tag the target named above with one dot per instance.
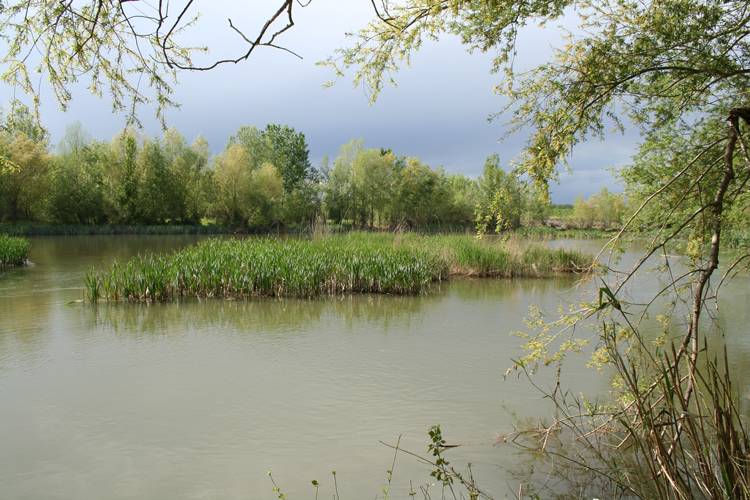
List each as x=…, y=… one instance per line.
x=201, y=399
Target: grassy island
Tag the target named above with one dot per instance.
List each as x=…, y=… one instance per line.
x=13, y=251
x=356, y=263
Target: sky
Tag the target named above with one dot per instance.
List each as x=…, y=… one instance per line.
x=439, y=111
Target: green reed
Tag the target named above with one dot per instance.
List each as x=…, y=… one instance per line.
x=356, y=263
x=13, y=251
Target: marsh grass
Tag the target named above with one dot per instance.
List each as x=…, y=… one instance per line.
x=327, y=265
x=13, y=251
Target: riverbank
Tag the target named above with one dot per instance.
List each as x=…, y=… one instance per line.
x=33, y=229
x=209, y=227
x=355, y=263
x=13, y=251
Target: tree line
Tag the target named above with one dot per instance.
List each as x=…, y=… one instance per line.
x=262, y=180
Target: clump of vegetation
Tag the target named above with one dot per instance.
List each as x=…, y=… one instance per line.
x=13, y=251
x=356, y=263
x=604, y=211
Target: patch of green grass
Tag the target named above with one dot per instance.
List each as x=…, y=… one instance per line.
x=13, y=251
x=353, y=263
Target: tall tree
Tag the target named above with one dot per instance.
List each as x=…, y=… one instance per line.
x=125, y=183
x=501, y=199
x=290, y=154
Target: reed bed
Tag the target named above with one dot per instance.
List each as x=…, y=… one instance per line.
x=355, y=263
x=13, y=251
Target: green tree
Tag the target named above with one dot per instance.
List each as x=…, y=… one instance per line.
x=233, y=181
x=289, y=153
x=371, y=182
x=77, y=188
x=256, y=144
x=20, y=119
x=247, y=196
x=339, y=195
x=23, y=188
x=24, y=178
x=603, y=210
x=537, y=207
x=302, y=206
x=157, y=198
x=281, y=146
x=501, y=199
x=188, y=170
x=421, y=195
x=464, y=195
x=124, y=182
x=264, y=198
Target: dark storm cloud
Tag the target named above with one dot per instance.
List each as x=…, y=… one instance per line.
x=438, y=112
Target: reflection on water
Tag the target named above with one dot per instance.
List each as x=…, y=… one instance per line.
x=200, y=399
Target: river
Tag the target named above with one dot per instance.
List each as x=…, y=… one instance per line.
x=200, y=399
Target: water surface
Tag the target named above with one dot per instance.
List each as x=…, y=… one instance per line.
x=201, y=399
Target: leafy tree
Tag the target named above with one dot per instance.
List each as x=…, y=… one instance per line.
x=23, y=187
x=302, y=206
x=464, y=195
x=20, y=119
x=501, y=199
x=339, y=190
x=371, y=182
x=281, y=146
x=77, y=188
x=256, y=144
x=421, y=195
x=289, y=153
x=23, y=180
x=233, y=180
x=263, y=208
x=247, y=196
x=371, y=187
x=189, y=176
x=157, y=201
x=604, y=209
x=677, y=69
x=536, y=207
x=124, y=181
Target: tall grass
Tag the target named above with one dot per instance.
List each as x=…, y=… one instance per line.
x=13, y=251
x=355, y=263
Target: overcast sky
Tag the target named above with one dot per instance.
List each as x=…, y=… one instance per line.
x=439, y=111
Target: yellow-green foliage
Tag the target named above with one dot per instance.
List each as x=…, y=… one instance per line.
x=603, y=210
x=355, y=263
x=13, y=251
